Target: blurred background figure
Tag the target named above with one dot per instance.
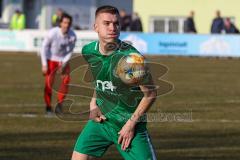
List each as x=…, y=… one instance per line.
x=18, y=21
x=136, y=23
x=189, y=24
x=217, y=23
x=57, y=49
x=56, y=17
x=229, y=27
x=125, y=20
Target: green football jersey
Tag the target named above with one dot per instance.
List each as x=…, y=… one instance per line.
x=116, y=100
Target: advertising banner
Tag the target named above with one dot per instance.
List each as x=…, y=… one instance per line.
x=185, y=44
x=146, y=43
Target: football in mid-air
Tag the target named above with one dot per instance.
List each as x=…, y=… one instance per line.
x=131, y=69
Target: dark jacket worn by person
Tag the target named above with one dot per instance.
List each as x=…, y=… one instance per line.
x=217, y=25
x=189, y=26
x=125, y=23
x=136, y=25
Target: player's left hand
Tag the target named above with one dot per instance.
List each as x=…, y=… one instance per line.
x=126, y=134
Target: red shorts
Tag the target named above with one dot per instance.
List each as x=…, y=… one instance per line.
x=56, y=81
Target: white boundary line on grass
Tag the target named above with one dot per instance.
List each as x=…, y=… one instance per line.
x=30, y=115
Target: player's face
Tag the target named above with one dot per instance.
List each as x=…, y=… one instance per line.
x=107, y=26
x=65, y=25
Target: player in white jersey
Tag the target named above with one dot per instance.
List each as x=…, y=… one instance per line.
x=56, y=51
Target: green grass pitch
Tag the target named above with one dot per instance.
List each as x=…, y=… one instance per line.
x=208, y=88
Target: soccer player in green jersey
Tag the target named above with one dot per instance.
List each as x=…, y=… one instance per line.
x=116, y=107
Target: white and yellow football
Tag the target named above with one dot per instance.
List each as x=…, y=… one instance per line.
x=131, y=68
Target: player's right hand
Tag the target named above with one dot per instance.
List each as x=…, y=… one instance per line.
x=96, y=114
x=44, y=70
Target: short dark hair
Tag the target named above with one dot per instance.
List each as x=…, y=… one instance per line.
x=106, y=9
x=65, y=15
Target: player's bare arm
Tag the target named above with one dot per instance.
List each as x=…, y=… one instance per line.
x=126, y=134
x=95, y=112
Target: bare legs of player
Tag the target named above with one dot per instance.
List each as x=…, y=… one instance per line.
x=80, y=156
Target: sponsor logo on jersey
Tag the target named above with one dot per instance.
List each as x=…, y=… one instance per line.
x=105, y=85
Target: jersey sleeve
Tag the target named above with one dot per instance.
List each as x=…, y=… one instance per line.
x=85, y=54
x=147, y=80
x=46, y=47
x=89, y=51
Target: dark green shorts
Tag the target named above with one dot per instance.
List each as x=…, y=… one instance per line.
x=95, y=138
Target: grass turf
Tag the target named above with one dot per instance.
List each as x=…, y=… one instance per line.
x=208, y=88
